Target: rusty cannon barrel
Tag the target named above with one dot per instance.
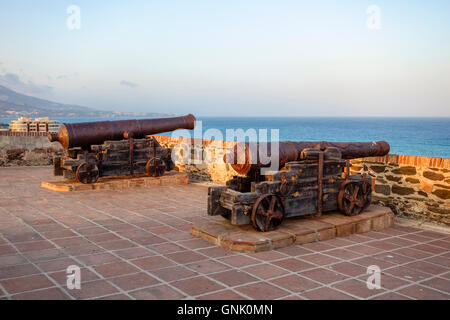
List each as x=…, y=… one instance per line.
x=242, y=162
x=84, y=134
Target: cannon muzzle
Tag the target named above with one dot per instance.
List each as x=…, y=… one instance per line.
x=85, y=134
x=242, y=159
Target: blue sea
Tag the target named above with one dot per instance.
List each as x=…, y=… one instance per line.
x=409, y=136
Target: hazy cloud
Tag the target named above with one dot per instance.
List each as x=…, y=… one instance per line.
x=13, y=82
x=67, y=76
x=129, y=84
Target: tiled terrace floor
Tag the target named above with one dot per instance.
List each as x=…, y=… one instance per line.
x=135, y=244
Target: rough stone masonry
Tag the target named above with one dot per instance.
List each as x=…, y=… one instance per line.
x=418, y=187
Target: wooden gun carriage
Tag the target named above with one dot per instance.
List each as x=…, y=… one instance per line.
x=313, y=179
x=115, y=148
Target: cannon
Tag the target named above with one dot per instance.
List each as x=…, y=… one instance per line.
x=115, y=148
x=314, y=178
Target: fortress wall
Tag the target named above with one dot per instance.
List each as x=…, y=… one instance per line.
x=26, y=148
x=412, y=186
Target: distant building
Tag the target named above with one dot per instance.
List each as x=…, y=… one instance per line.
x=24, y=124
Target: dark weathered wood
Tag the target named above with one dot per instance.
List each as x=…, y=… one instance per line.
x=57, y=170
x=214, y=207
x=240, y=215
x=113, y=157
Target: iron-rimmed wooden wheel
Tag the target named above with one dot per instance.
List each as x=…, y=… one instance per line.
x=155, y=167
x=87, y=173
x=353, y=197
x=267, y=212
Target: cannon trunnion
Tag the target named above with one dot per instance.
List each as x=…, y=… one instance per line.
x=319, y=181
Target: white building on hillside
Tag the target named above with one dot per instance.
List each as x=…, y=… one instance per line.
x=43, y=124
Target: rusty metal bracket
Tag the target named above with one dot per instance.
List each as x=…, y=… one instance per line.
x=129, y=135
x=347, y=169
x=320, y=184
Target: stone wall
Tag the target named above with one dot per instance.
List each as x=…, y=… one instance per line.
x=213, y=150
x=412, y=186
x=26, y=149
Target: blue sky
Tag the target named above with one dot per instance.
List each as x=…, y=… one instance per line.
x=235, y=58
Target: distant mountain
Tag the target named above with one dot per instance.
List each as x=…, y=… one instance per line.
x=14, y=104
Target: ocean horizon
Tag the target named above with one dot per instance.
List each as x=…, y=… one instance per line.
x=408, y=136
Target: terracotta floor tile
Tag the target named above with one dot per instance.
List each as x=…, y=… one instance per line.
x=173, y=273
x=390, y=296
x=393, y=257
x=151, y=263
x=239, y=261
x=196, y=286
x=233, y=277
x=46, y=294
x=115, y=269
x=133, y=253
x=134, y=281
x=322, y=275
x=222, y=295
x=115, y=297
x=117, y=244
x=268, y=255
x=357, y=288
x=294, y=250
x=45, y=255
x=426, y=267
x=28, y=283
x=364, y=249
x=439, y=284
x=295, y=283
x=347, y=268
x=325, y=293
x=34, y=245
x=10, y=260
x=407, y=273
x=162, y=292
x=93, y=289
x=103, y=237
x=318, y=246
x=207, y=266
x=429, y=248
x=97, y=259
x=18, y=271
x=185, y=257
x=56, y=265
x=7, y=250
x=343, y=254
x=293, y=264
x=411, y=253
x=422, y=293
x=388, y=282
x=61, y=276
x=262, y=291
